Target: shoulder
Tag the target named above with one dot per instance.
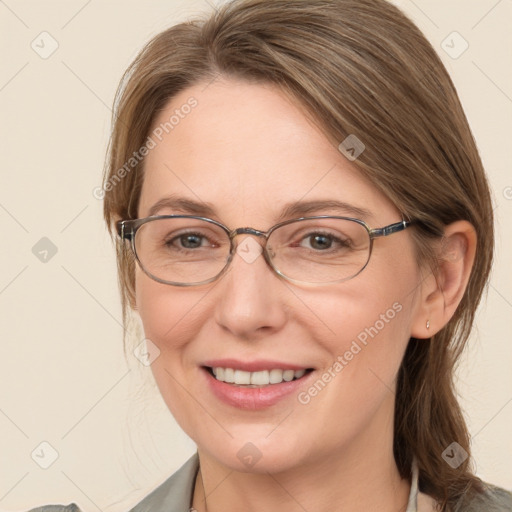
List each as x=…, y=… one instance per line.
x=493, y=499
x=173, y=495
x=72, y=507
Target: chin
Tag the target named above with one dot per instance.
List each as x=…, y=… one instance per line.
x=250, y=452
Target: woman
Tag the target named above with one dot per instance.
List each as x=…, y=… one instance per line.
x=305, y=228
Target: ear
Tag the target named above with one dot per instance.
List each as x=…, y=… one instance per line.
x=443, y=289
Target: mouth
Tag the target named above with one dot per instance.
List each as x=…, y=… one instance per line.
x=257, y=379
x=254, y=385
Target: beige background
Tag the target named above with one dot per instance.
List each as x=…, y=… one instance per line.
x=64, y=379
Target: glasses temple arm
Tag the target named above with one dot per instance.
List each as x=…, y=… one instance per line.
x=389, y=230
x=124, y=229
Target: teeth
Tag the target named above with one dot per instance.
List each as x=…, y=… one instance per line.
x=242, y=377
x=276, y=376
x=261, y=378
x=299, y=373
x=288, y=375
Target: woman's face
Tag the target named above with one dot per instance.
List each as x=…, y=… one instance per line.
x=248, y=152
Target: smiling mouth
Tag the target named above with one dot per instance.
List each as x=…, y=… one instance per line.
x=255, y=379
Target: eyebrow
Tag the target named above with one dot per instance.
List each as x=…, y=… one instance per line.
x=291, y=210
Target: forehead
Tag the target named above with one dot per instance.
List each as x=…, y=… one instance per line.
x=247, y=150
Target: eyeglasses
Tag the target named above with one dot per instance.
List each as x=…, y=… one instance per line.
x=186, y=250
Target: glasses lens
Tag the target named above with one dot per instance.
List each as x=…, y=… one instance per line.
x=320, y=250
x=182, y=250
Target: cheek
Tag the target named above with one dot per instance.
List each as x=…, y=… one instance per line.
x=165, y=311
x=172, y=318
x=362, y=309
x=151, y=305
x=368, y=322
x=369, y=330
x=169, y=316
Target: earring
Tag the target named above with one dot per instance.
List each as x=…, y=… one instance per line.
x=428, y=324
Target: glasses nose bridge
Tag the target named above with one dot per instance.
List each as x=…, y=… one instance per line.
x=247, y=231
x=251, y=231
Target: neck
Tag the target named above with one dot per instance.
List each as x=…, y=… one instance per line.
x=362, y=478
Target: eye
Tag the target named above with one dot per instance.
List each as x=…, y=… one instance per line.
x=323, y=241
x=320, y=241
x=191, y=240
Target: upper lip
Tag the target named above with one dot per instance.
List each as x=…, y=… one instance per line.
x=253, y=366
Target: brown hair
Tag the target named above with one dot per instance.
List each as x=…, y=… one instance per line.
x=356, y=67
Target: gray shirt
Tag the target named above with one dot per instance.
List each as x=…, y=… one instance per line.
x=175, y=495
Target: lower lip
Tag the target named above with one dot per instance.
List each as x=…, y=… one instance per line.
x=244, y=397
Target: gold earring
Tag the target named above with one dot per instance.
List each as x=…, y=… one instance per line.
x=428, y=324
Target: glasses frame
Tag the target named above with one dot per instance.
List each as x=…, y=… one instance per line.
x=127, y=229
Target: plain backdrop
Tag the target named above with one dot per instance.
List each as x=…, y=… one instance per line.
x=107, y=436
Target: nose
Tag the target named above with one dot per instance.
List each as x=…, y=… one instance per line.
x=250, y=295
